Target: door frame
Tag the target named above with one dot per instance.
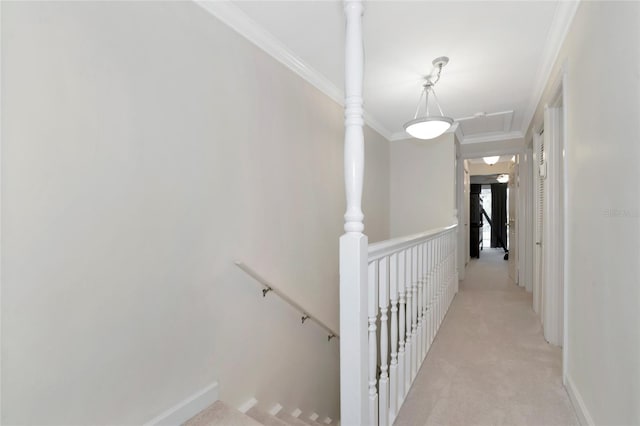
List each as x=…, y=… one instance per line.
x=556, y=218
x=536, y=233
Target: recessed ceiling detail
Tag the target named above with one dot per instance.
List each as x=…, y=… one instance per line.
x=308, y=37
x=482, y=123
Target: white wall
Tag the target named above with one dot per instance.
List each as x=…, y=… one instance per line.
x=145, y=146
x=602, y=57
x=422, y=184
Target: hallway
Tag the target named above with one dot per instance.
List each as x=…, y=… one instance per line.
x=489, y=364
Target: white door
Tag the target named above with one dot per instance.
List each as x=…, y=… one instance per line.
x=538, y=170
x=512, y=224
x=553, y=229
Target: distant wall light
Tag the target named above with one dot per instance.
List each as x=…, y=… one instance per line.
x=503, y=178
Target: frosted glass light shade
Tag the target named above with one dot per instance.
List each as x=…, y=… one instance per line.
x=503, y=178
x=428, y=127
x=491, y=160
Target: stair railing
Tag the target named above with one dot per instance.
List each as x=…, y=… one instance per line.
x=268, y=287
x=413, y=280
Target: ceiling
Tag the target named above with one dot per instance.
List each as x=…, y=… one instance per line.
x=500, y=55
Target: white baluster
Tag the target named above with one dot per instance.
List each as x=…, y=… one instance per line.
x=373, y=347
x=425, y=254
x=442, y=281
x=353, y=244
x=414, y=311
x=419, y=328
x=432, y=291
x=408, y=342
x=455, y=266
x=450, y=285
x=445, y=269
x=401, y=326
x=393, y=367
x=429, y=295
x=445, y=274
x=452, y=262
x=449, y=274
x=383, y=383
x=440, y=278
x=436, y=286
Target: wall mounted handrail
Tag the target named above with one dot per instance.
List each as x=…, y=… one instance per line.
x=268, y=287
x=385, y=248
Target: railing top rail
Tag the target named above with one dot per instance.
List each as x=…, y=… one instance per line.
x=384, y=248
x=286, y=298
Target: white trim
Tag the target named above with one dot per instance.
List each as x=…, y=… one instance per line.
x=1, y=381
x=488, y=153
x=508, y=122
x=552, y=247
x=492, y=137
x=188, y=408
x=240, y=22
x=556, y=325
x=248, y=405
x=275, y=410
x=565, y=219
x=565, y=12
x=579, y=406
x=458, y=132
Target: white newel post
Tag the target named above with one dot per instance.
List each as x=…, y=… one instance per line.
x=353, y=244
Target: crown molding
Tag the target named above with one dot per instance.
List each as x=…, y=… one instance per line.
x=458, y=132
x=236, y=19
x=399, y=136
x=492, y=137
x=565, y=12
x=375, y=125
x=467, y=154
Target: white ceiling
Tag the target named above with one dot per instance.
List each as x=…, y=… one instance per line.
x=500, y=55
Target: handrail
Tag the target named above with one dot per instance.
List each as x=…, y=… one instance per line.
x=270, y=287
x=384, y=248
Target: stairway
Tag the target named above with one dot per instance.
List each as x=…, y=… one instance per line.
x=221, y=414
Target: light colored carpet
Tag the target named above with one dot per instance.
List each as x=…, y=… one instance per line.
x=221, y=414
x=489, y=364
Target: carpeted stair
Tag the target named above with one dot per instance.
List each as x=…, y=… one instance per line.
x=221, y=414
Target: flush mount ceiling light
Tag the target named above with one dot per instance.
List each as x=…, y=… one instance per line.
x=430, y=126
x=503, y=178
x=491, y=160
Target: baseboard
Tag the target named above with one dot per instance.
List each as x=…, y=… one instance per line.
x=579, y=407
x=275, y=410
x=248, y=405
x=188, y=408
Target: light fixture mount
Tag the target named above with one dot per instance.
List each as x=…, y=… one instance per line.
x=440, y=61
x=430, y=126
